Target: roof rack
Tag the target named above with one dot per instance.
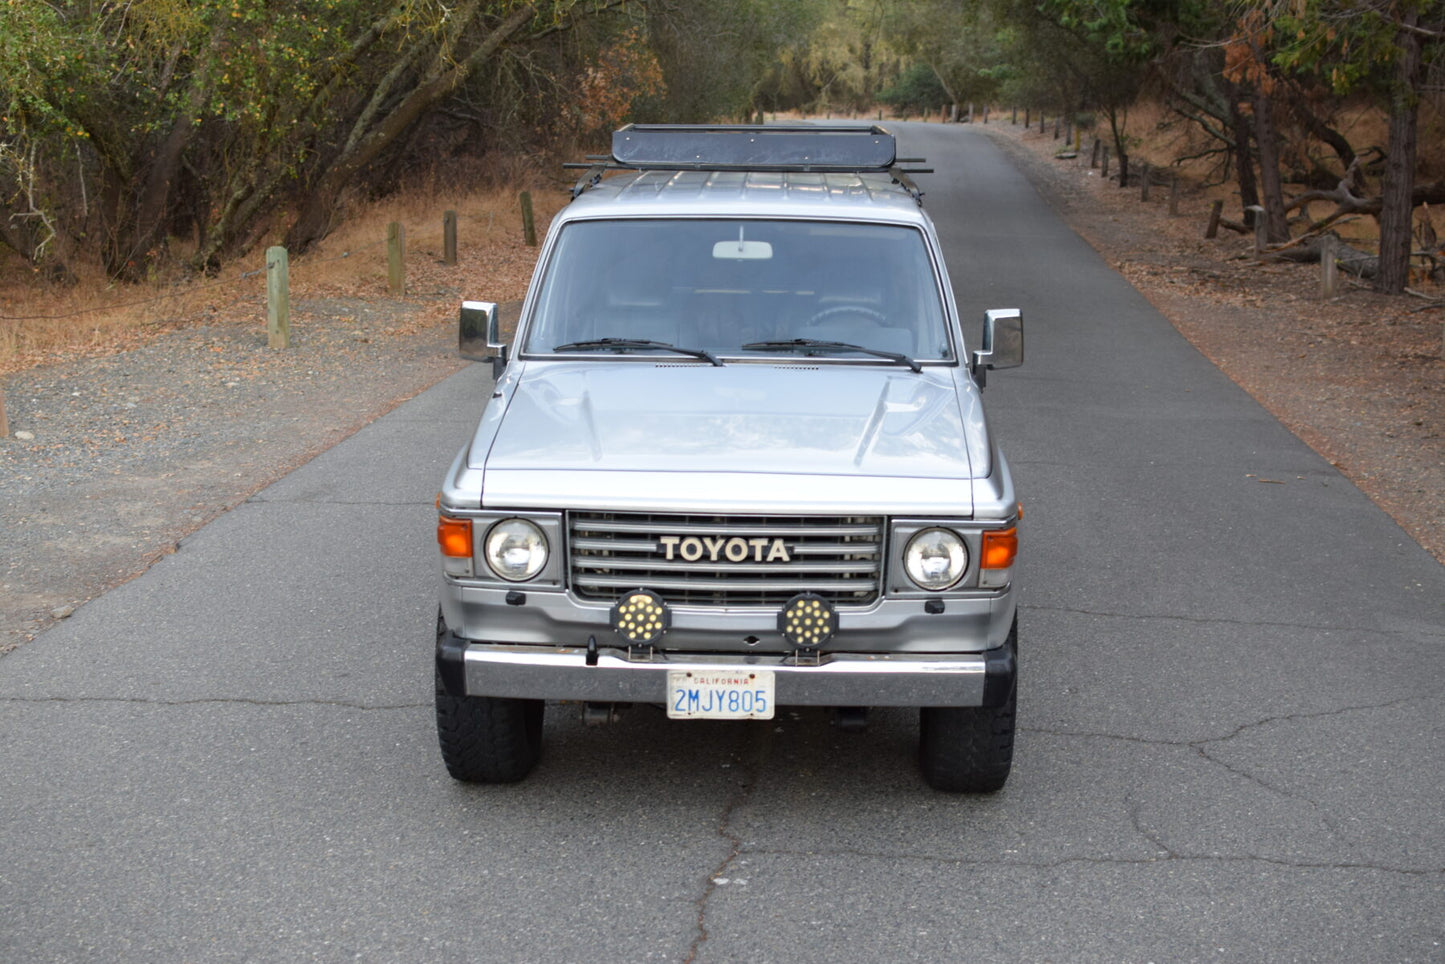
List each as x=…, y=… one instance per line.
x=749, y=147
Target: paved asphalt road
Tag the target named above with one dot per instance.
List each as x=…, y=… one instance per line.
x=1231, y=712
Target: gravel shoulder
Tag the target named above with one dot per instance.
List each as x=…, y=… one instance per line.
x=116, y=458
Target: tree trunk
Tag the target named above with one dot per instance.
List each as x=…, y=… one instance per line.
x=1243, y=156
x=1396, y=207
x=1266, y=141
x=312, y=222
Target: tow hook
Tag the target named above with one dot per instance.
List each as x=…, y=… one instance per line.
x=850, y=719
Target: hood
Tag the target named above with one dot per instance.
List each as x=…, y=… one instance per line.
x=847, y=428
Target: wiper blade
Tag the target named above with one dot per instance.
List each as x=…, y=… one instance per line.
x=809, y=344
x=625, y=344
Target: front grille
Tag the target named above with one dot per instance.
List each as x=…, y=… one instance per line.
x=722, y=561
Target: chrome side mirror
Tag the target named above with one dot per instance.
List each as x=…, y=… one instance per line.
x=1003, y=343
x=479, y=334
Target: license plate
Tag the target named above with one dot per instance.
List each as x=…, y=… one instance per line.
x=720, y=695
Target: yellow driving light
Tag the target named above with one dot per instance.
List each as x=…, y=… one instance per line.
x=808, y=621
x=640, y=616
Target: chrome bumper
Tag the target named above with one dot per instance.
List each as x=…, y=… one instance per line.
x=609, y=676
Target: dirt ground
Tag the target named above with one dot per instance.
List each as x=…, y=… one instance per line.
x=116, y=456
x=1359, y=377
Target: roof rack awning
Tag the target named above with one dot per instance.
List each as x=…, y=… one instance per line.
x=703, y=147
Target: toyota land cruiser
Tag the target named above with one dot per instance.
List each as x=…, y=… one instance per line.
x=735, y=459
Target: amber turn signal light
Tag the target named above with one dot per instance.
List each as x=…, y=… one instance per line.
x=1000, y=548
x=455, y=537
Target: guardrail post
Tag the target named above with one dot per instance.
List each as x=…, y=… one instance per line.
x=396, y=258
x=529, y=224
x=449, y=237
x=278, y=298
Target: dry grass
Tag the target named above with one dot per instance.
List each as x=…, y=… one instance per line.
x=42, y=322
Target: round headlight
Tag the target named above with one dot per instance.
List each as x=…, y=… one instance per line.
x=516, y=550
x=935, y=559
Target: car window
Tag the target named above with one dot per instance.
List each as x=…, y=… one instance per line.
x=718, y=285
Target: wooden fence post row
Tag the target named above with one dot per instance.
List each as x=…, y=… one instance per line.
x=1215, y=210
x=449, y=238
x=278, y=298
x=529, y=224
x=1329, y=267
x=396, y=258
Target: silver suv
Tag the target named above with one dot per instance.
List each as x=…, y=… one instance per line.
x=736, y=459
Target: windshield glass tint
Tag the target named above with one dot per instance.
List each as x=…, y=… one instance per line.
x=719, y=285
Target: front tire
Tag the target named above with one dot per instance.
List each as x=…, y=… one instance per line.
x=968, y=749
x=487, y=739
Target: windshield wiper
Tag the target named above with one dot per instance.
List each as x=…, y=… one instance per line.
x=810, y=344
x=626, y=344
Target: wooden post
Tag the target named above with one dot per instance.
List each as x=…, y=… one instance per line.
x=1104, y=165
x=1014, y=116
x=529, y=224
x=1094, y=157
x=1329, y=267
x=1215, y=210
x=449, y=237
x=985, y=113
x=4, y=422
x=1144, y=182
x=278, y=298
x=1174, y=196
x=1261, y=232
x=396, y=258
x=1026, y=117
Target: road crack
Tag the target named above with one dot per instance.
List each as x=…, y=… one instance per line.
x=208, y=701
x=759, y=748
x=1223, y=621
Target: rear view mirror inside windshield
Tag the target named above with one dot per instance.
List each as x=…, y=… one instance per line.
x=741, y=250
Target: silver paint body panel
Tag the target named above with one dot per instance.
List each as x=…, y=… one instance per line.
x=778, y=434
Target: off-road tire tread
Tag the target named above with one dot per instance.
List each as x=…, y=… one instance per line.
x=968, y=749
x=487, y=739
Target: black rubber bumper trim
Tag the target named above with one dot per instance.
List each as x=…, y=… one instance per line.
x=1000, y=674
x=451, y=661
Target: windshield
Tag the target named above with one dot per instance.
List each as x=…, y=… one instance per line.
x=720, y=285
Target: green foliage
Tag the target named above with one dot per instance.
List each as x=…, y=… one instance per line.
x=1351, y=44
x=918, y=91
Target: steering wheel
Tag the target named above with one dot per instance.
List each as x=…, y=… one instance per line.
x=862, y=311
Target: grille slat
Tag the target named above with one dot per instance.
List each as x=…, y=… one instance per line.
x=839, y=558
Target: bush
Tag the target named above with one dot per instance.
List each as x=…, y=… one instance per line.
x=917, y=91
